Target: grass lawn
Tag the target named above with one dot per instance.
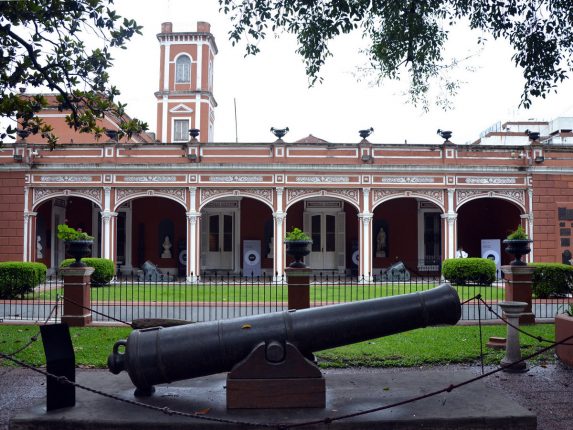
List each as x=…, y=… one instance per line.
x=268, y=293
x=429, y=346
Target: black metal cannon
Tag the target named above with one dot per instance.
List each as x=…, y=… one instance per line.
x=160, y=355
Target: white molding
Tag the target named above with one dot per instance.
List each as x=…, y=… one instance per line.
x=181, y=108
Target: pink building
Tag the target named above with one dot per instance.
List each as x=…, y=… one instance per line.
x=190, y=204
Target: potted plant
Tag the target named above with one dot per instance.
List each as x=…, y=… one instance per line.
x=77, y=241
x=297, y=246
x=517, y=244
x=564, y=330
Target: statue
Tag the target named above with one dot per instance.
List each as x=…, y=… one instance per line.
x=461, y=253
x=166, y=248
x=39, y=247
x=381, y=243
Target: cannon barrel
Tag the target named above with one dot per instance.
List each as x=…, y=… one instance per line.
x=160, y=355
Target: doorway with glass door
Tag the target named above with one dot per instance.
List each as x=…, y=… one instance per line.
x=324, y=221
x=218, y=237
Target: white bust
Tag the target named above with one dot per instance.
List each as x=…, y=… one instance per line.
x=166, y=248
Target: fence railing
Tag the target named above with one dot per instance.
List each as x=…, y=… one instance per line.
x=222, y=296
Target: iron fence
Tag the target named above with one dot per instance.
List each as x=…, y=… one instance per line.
x=220, y=296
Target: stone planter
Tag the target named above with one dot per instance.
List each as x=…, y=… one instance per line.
x=298, y=249
x=79, y=249
x=517, y=248
x=563, y=330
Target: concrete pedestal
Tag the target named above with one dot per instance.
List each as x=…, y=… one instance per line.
x=298, y=284
x=474, y=406
x=513, y=311
x=518, y=289
x=77, y=284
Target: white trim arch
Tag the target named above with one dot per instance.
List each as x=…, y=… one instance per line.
x=322, y=193
x=175, y=62
x=65, y=193
x=407, y=195
x=513, y=196
x=178, y=195
x=213, y=194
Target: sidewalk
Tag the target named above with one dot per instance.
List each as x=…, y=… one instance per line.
x=546, y=391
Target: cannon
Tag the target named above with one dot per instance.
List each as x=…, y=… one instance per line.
x=273, y=347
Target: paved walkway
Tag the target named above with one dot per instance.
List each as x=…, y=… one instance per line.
x=547, y=391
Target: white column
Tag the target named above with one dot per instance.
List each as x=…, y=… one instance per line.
x=25, y=256
x=451, y=223
x=278, y=245
x=29, y=236
x=365, y=228
x=106, y=233
x=528, y=218
x=192, y=272
x=530, y=229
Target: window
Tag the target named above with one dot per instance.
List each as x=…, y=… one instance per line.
x=183, y=69
x=181, y=130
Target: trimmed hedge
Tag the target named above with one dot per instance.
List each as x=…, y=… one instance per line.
x=104, y=269
x=18, y=278
x=552, y=280
x=460, y=271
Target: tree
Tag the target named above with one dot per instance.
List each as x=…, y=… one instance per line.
x=43, y=46
x=408, y=36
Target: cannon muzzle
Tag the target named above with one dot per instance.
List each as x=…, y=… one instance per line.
x=160, y=355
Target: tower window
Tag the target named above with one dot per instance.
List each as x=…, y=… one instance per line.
x=181, y=130
x=183, y=69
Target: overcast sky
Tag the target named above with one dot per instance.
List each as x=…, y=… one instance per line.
x=271, y=89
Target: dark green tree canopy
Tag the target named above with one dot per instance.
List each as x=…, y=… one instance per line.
x=408, y=36
x=44, y=46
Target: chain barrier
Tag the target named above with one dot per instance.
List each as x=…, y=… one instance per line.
x=196, y=415
x=96, y=312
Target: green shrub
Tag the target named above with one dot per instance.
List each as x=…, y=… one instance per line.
x=18, y=278
x=104, y=269
x=460, y=271
x=552, y=280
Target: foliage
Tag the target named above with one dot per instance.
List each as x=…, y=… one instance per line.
x=18, y=278
x=104, y=269
x=518, y=234
x=460, y=271
x=429, y=346
x=552, y=280
x=296, y=234
x=68, y=233
x=42, y=43
x=410, y=36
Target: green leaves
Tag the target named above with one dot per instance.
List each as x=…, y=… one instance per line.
x=409, y=37
x=41, y=46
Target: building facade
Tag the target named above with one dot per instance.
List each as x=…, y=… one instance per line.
x=189, y=204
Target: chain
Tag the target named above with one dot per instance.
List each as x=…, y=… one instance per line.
x=95, y=312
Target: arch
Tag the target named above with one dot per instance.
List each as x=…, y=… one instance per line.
x=235, y=193
x=514, y=199
x=183, y=68
x=150, y=193
x=322, y=193
x=409, y=194
x=65, y=193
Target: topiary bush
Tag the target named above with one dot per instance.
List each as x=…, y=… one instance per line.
x=552, y=280
x=18, y=278
x=461, y=271
x=104, y=269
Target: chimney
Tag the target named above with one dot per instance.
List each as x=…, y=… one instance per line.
x=203, y=27
x=167, y=27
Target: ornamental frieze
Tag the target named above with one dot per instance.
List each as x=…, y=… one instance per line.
x=322, y=179
x=42, y=193
x=515, y=195
x=149, y=178
x=379, y=195
x=122, y=194
x=350, y=193
x=66, y=179
x=235, y=178
x=473, y=180
x=294, y=193
x=263, y=193
x=405, y=179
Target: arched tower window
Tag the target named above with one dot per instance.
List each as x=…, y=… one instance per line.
x=183, y=69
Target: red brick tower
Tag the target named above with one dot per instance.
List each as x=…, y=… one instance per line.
x=185, y=98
